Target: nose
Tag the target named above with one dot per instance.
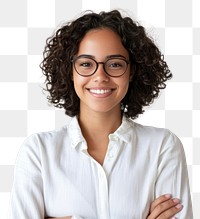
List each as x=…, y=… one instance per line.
x=100, y=74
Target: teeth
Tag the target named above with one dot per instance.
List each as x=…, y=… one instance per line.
x=99, y=91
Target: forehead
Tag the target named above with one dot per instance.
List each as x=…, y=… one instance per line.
x=101, y=42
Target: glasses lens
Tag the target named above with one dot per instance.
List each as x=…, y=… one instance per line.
x=115, y=67
x=85, y=66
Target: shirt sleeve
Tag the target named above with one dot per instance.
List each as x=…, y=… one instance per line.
x=27, y=193
x=27, y=199
x=172, y=175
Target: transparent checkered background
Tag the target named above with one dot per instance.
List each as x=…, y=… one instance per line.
x=24, y=27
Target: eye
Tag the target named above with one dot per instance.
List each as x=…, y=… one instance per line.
x=85, y=63
x=115, y=64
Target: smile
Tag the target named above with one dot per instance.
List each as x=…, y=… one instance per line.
x=100, y=91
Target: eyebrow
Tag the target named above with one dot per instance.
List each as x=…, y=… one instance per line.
x=107, y=57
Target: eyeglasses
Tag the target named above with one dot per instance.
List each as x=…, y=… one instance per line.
x=114, y=67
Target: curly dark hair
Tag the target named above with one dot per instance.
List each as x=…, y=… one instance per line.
x=149, y=68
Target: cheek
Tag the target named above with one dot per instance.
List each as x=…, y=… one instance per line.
x=123, y=88
x=79, y=82
x=126, y=86
x=125, y=82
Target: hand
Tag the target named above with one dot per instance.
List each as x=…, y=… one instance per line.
x=164, y=207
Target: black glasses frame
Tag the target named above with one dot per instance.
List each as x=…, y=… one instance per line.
x=97, y=66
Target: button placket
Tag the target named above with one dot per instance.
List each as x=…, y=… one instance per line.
x=103, y=194
x=112, y=153
x=102, y=185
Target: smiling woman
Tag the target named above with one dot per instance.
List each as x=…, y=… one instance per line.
x=102, y=69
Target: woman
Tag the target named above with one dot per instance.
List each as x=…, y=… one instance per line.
x=102, y=69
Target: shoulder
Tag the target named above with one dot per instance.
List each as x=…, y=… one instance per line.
x=52, y=136
x=40, y=146
x=144, y=130
x=157, y=142
x=47, y=136
x=44, y=142
x=154, y=135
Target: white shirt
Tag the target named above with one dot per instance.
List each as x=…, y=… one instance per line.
x=55, y=176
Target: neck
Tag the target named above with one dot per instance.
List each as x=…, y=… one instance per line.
x=96, y=128
x=99, y=124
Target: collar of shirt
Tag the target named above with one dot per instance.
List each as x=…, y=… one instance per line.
x=123, y=132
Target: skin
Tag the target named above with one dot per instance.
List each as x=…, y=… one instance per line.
x=165, y=207
x=105, y=109
x=96, y=44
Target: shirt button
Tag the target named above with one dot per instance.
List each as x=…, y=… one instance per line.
x=110, y=155
x=115, y=138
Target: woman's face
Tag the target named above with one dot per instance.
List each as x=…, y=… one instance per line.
x=101, y=92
